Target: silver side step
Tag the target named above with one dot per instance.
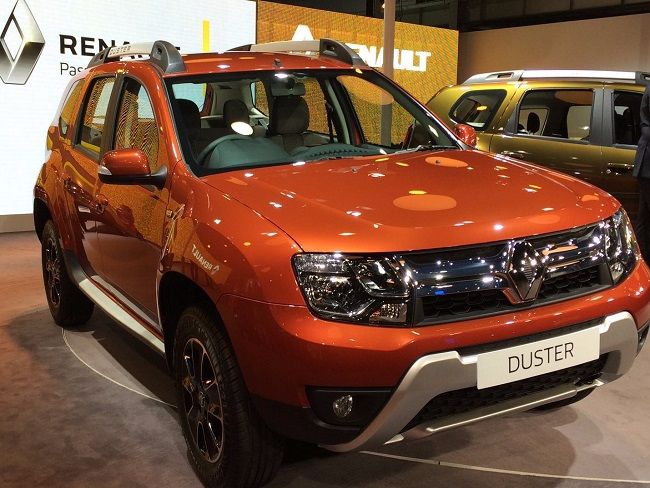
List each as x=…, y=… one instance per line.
x=114, y=309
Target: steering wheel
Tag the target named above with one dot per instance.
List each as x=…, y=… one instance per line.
x=209, y=149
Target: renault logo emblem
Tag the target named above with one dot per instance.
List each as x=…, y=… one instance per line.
x=525, y=272
x=16, y=69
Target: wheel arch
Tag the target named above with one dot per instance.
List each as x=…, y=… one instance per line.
x=41, y=215
x=176, y=292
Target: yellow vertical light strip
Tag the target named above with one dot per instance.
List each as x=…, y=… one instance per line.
x=206, y=36
x=206, y=44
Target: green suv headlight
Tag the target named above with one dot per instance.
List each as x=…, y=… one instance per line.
x=621, y=247
x=372, y=290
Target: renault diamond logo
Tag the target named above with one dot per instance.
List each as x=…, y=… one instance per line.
x=525, y=272
x=16, y=68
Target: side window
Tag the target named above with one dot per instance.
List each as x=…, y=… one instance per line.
x=195, y=92
x=94, y=115
x=136, y=124
x=315, y=99
x=626, y=116
x=260, y=100
x=383, y=121
x=561, y=114
x=68, y=106
x=477, y=108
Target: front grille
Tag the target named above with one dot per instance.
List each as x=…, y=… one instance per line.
x=458, y=284
x=438, y=309
x=570, y=283
x=464, y=304
x=468, y=399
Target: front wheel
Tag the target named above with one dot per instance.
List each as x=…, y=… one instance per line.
x=68, y=305
x=228, y=443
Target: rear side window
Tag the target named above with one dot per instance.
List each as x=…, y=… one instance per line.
x=561, y=114
x=477, y=108
x=68, y=106
x=627, y=118
x=136, y=125
x=94, y=115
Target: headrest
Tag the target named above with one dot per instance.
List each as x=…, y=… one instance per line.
x=289, y=115
x=288, y=86
x=628, y=117
x=190, y=113
x=235, y=110
x=532, y=124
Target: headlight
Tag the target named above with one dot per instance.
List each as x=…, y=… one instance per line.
x=354, y=288
x=621, y=247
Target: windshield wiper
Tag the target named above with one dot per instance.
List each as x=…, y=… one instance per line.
x=425, y=147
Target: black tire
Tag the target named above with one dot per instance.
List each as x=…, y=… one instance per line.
x=68, y=305
x=228, y=444
x=563, y=403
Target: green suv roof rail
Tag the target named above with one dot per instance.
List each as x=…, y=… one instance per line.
x=636, y=77
x=161, y=53
x=324, y=47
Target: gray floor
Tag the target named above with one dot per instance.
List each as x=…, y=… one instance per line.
x=93, y=407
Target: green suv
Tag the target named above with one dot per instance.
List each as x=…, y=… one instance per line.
x=583, y=123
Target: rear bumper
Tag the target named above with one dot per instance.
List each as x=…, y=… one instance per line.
x=439, y=373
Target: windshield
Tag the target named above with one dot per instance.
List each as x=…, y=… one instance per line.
x=244, y=120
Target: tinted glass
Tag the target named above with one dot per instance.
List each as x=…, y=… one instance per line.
x=627, y=122
x=477, y=108
x=94, y=115
x=563, y=114
x=136, y=124
x=67, y=111
x=302, y=116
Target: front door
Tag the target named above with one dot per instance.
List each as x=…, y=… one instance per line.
x=556, y=128
x=130, y=236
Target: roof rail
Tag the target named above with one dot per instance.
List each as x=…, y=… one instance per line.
x=637, y=77
x=161, y=53
x=324, y=47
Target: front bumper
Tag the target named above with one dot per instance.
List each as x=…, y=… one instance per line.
x=443, y=372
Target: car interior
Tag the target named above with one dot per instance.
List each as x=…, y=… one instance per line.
x=289, y=118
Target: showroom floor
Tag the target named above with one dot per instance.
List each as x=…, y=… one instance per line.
x=93, y=407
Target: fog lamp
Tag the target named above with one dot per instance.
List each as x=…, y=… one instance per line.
x=390, y=313
x=342, y=406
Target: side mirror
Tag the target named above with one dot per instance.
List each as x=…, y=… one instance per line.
x=466, y=133
x=130, y=167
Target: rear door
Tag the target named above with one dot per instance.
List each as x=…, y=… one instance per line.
x=621, y=130
x=131, y=232
x=556, y=128
x=80, y=170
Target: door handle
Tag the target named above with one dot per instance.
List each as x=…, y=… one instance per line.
x=513, y=154
x=101, y=202
x=619, y=168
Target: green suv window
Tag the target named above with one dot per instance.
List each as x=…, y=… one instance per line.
x=477, y=108
x=561, y=114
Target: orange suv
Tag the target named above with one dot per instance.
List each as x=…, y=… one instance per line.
x=319, y=258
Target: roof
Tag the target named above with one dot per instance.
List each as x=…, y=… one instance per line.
x=313, y=54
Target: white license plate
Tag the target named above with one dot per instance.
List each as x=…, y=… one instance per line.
x=536, y=358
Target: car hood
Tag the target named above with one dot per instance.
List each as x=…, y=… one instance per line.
x=413, y=201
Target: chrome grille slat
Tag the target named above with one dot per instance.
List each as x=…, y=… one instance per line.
x=456, y=284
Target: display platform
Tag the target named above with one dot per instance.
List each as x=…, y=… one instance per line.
x=101, y=405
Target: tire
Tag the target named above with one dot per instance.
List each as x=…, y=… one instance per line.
x=563, y=403
x=229, y=446
x=68, y=305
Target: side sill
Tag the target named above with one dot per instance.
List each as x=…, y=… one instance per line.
x=138, y=326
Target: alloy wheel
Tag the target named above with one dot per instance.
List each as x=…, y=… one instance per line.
x=202, y=401
x=53, y=272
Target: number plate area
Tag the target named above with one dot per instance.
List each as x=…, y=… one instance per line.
x=536, y=358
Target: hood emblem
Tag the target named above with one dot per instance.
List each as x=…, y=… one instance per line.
x=525, y=272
